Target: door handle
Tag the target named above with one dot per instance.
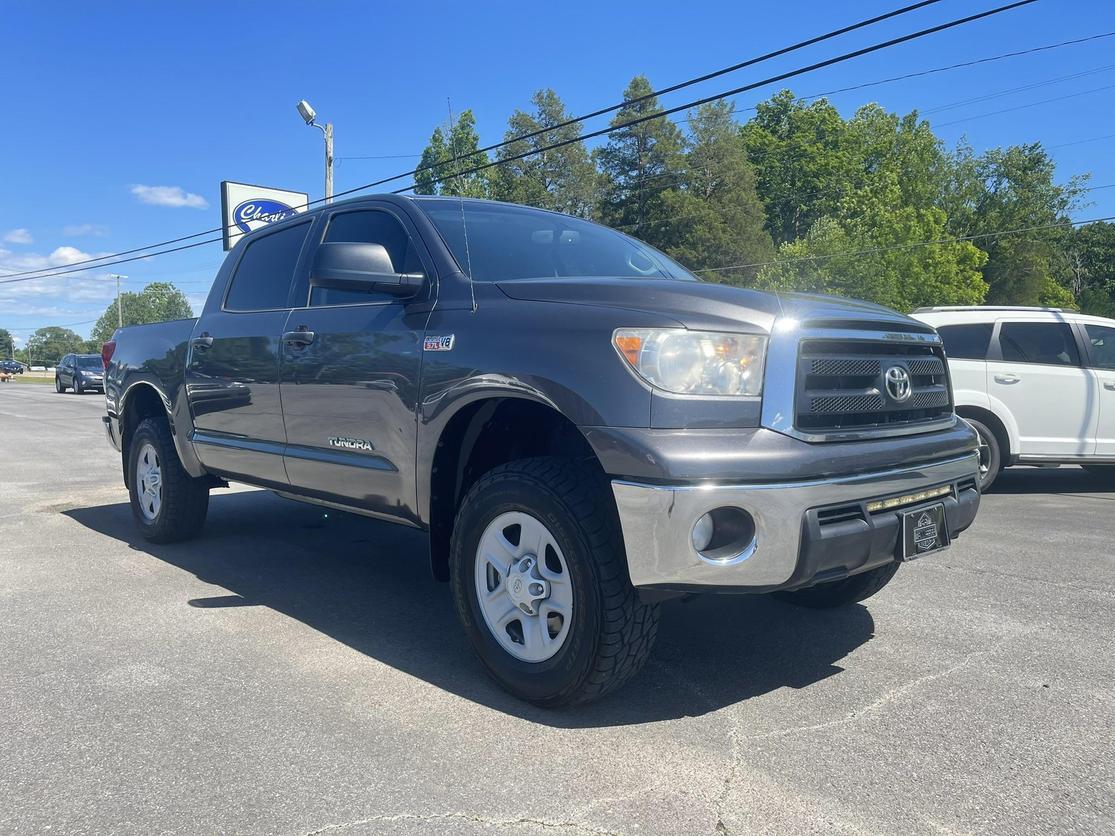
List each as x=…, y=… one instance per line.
x=203, y=342
x=301, y=337
x=1007, y=378
x=1109, y=384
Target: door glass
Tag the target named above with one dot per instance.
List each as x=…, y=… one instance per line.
x=966, y=342
x=262, y=279
x=1048, y=343
x=1102, y=339
x=368, y=227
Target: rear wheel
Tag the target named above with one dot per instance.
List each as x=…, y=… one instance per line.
x=167, y=503
x=541, y=586
x=990, y=454
x=840, y=593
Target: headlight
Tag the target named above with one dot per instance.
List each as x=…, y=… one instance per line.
x=695, y=362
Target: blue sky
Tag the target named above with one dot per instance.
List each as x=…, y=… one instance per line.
x=104, y=99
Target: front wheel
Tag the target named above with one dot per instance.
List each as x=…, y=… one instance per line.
x=167, y=503
x=840, y=593
x=78, y=388
x=58, y=387
x=990, y=454
x=541, y=586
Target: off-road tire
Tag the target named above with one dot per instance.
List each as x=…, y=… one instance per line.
x=840, y=593
x=611, y=631
x=185, y=500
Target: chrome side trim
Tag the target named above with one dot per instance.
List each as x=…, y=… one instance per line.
x=780, y=380
x=1065, y=459
x=657, y=521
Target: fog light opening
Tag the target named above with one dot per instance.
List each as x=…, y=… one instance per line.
x=724, y=534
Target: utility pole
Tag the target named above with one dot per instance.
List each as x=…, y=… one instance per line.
x=328, y=130
x=119, y=309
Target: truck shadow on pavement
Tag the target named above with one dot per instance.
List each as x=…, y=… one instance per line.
x=1052, y=480
x=367, y=584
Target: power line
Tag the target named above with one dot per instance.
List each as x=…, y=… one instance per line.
x=1030, y=104
x=707, y=99
x=1080, y=142
x=16, y=277
x=716, y=73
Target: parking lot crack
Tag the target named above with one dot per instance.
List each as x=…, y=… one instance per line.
x=524, y=821
x=886, y=699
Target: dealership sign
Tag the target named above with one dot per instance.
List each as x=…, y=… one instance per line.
x=245, y=208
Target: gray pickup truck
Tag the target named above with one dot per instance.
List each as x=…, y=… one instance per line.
x=582, y=427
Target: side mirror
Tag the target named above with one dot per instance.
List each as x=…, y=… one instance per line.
x=348, y=265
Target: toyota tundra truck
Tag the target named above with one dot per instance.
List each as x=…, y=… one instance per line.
x=582, y=427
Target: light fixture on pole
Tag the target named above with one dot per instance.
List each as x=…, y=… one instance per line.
x=308, y=114
x=119, y=310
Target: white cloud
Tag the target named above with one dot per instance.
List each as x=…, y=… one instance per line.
x=18, y=236
x=74, y=230
x=169, y=196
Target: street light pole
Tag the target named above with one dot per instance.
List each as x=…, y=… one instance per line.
x=309, y=115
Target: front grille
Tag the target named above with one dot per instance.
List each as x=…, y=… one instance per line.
x=842, y=385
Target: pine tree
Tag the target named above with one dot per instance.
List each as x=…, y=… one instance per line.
x=438, y=175
x=562, y=179
x=640, y=164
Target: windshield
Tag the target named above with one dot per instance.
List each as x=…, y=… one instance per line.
x=90, y=361
x=499, y=242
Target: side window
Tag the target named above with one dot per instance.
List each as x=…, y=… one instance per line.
x=1102, y=339
x=368, y=226
x=966, y=342
x=1049, y=343
x=262, y=279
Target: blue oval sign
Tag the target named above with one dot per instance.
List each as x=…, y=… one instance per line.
x=260, y=210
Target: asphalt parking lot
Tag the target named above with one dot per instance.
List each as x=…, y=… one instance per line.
x=294, y=672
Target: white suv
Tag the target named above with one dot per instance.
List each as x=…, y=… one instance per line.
x=1037, y=384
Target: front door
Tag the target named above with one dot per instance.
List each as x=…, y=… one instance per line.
x=350, y=382
x=232, y=376
x=1037, y=373
x=1101, y=339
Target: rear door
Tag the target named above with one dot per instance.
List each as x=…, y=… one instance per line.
x=350, y=391
x=232, y=377
x=1036, y=370
x=1101, y=347
x=966, y=346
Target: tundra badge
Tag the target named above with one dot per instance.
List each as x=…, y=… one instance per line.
x=351, y=443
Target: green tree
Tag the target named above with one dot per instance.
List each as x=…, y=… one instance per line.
x=7, y=344
x=1014, y=188
x=1088, y=255
x=562, y=179
x=715, y=217
x=445, y=158
x=640, y=164
x=888, y=239
x=158, y=302
x=804, y=161
x=47, y=345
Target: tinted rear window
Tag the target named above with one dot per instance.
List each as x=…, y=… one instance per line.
x=967, y=342
x=262, y=279
x=1048, y=343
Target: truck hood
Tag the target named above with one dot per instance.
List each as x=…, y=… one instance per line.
x=705, y=306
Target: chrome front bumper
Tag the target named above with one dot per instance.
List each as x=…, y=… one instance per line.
x=657, y=523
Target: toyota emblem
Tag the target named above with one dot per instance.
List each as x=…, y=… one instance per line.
x=898, y=384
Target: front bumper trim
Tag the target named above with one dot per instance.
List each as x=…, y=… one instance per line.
x=657, y=521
